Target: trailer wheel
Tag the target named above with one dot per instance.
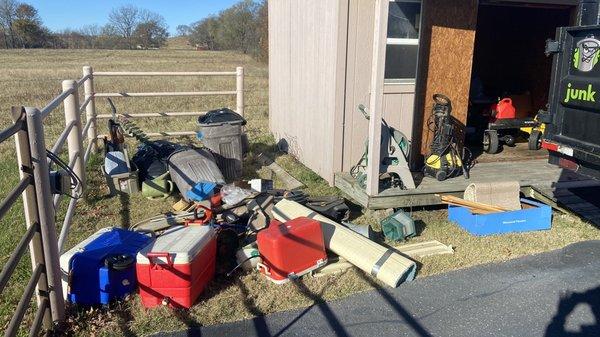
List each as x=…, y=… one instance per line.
x=491, y=143
x=535, y=140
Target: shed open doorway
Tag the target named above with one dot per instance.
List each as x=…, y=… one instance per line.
x=509, y=62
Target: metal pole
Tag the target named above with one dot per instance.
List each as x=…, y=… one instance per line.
x=239, y=85
x=74, y=141
x=46, y=211
x=90, y=109
x=30, y=210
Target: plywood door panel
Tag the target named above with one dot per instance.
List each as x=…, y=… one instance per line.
x=446, y=59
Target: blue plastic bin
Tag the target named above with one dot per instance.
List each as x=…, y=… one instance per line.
x=102, y=268
x=538, y=217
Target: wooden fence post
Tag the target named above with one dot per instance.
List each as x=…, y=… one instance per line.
x=37, y=146
x=376, y=99
x=88, y=86
x=74, y=139
x=36, y=252
x=240, y=90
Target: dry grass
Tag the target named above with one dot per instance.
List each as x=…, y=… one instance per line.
x=33, y=78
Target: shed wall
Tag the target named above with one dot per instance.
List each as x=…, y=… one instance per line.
x=306, y=71
x=398, y=104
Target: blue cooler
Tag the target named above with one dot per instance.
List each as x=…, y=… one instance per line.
x=102, y=268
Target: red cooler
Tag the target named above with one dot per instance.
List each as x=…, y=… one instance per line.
x=292, y=249
x=176, y=267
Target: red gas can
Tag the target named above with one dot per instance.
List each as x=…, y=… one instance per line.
x=504, y=109
x=292, y=249
x=177, y=266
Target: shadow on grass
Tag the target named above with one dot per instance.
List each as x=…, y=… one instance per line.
x=124, y=318
x=260, y=324
x=318, y=300
x=183, y=315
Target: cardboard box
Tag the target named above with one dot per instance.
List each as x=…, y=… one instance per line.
x=533, y=217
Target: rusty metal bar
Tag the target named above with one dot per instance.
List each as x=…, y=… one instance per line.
x=85, y=103
x=60, y=142
x=15, y=257
x=13, y=326
x=82, y=80
x=11, y=130
x=86, y=128
x=39, y=318
x=64, y=232
x=16, y=192
x=56, y=102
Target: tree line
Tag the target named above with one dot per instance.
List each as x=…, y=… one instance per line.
x=128, y=27
x=242, y=27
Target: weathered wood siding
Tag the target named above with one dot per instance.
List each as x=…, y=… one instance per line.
x=398, y=98
x=306, y=71
x=398, y=107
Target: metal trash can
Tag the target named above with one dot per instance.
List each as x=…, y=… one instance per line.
x=221, y=132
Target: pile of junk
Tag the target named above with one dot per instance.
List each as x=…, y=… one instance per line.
x=221, y=227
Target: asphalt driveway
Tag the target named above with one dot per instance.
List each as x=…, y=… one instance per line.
x=549, y=294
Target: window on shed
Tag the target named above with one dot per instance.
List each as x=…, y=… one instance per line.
x=404, y=21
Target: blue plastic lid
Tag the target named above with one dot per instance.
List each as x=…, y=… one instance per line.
x=201, y=191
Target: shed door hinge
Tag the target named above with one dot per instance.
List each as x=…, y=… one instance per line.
x=552, y=47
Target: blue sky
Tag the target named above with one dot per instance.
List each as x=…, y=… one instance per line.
x=60, y=14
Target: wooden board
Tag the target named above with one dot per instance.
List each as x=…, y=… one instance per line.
x=529, y=173
x=287, y=179
x=424, y=249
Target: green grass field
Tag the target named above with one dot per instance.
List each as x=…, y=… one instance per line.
x=33, y=78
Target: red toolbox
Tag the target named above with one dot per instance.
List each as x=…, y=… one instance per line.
x=176, y=267
x=292, y=249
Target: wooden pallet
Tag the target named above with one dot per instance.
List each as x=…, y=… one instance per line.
x=535, y=172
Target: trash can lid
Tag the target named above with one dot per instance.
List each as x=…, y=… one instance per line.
x=221, y=116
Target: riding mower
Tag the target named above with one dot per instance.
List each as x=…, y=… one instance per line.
x=504, y=128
